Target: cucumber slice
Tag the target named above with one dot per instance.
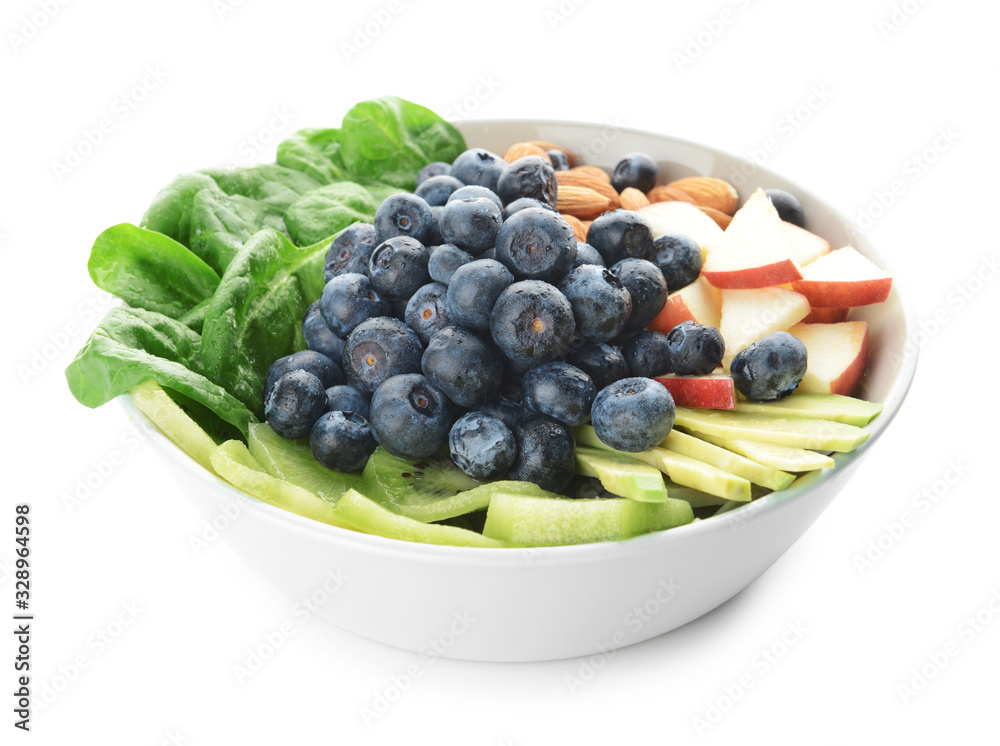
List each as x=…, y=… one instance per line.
x=525, y=521
x=834, y=407
x=620, y=473
x=718, y=456
x=163, y=412
x=430, y=489
x=293, y=461
x=681, y=469
x=365, y=515
x=776, y=457
x=780, y=430
x=234, y=463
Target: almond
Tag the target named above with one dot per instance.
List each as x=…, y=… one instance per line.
x=594, y=171
x=545, y=145
x=576, y=177
x=521, y=149
x=669, y=194
x=632, y=199
x=722, y=219
x=708, y=191
x=579, y=229
x=586, y=227
x=581, y=202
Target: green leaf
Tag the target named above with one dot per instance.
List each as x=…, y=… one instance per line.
x=131, y=346
x=256, y=314
x=150, y=270
x=314, y=152
x=195, y=318
x=221, y=223
x=170, y=211
x=389, y=140
x=329, y=210
x=275, y=186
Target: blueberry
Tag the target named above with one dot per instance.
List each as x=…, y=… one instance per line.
x=398, y=267
x=437, y=168
x=587, y=254
x=294, y=403
x=478, y=167
x=601, y=303
x=546, y=453
x=560, y=161
x=679, y=258
x=532, y=323
x=410, y=418
x=471, y=224
x=325, y=369
x=462, y=366
x=508, y=406
x=788, y=206
x=648, y=354
x=319, y=337
x=350, y=250
x=344, y=398
x=434, y=231
x=604, y=363
x=620, y=234
x=695, y=349
x=427, y=310
x=560, y=390
x=349, y=299
x=445, y=259
x=522, y=203
x=536, y=244
x=482, y=446
x=342, y=441
x=636, y=170
x=404, y=215
x=646, y=287
x=634, y=414
x=436, y=190
x=472, y=191
x=771, y=368
x=531, y=176
x=473, y=291
x=378, y=349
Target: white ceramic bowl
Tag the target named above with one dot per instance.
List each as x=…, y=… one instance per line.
x=558, y=602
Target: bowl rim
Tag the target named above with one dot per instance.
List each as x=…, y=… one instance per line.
x=772, y=502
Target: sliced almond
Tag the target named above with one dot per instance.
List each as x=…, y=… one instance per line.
x=709, y=191
x=579, y=229
x=576, y=177
x=669, y=194
x=632, y=199
x=581, y=202
x=546, y=145
x=721, y=219
x=594, y=171
x=521, y=149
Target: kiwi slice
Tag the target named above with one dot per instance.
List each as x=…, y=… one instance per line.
x=173, y=422
x=293, y=461
x=430, y=489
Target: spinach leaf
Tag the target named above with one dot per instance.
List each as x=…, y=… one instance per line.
x=380, y=191
x=329, y=210
x=315, y=152
x=220, y=223
x=256, y=314
x=149, y=270
x=389, y=140
x=132, y=345
x=275, y=186
x=170, y=211
x=195, y=318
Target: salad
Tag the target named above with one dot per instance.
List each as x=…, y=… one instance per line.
x=393, y=332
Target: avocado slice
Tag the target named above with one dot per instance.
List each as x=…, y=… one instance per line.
x=776, y=457
x=780, y=430
x=834, y=407
x=716, y=454
x=621, y=473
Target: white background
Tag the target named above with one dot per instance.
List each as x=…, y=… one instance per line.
x=893, y=76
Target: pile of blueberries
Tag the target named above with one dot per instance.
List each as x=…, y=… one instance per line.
x=468, y=315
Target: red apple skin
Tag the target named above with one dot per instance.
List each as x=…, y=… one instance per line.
x=703, y=392
x=756, y=277
x=674, y=312
x=832, y=294
x=846, y=382
x=826, y=315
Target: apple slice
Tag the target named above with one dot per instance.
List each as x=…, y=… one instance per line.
x=806, y=247
x=682, y=217
x=700, y=301
x=826, y=315
x=837, y=356
x=843, y=278
x=714, y=391
x=754, y=251
x=749, y=315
